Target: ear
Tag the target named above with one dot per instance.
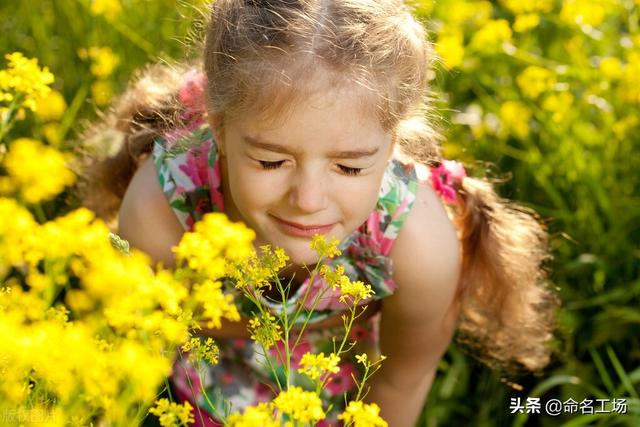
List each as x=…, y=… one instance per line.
x=216, y=123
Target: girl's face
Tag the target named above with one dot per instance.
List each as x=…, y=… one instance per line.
x=317, y=171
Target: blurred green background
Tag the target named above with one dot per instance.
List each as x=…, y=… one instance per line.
x=542, y=94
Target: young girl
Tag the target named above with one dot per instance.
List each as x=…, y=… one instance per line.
x=309, y=117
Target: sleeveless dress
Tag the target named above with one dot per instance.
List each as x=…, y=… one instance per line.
x=189, y=173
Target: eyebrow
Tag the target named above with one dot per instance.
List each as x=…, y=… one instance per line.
x=347, y=154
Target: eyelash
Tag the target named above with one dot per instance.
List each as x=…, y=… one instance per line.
x=275, y=165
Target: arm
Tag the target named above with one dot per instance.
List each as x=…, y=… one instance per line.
x=146, y=219
x=418, y=321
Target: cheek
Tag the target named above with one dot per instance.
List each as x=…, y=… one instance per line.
x=359, y=200
x=251, y=189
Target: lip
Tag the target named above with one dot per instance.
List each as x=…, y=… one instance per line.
x=302, y=230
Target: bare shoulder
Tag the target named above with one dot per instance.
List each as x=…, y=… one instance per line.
x=146, y=220
x=427, y=260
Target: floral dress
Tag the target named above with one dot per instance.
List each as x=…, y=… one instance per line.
x=189, y=172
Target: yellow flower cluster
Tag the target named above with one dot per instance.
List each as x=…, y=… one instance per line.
x=491, y=36
x=110, y=9
x=214, y=240
x=585, y=12
x=254, y=416
x=515, y=117
x=215, y=304
x=450, y=48
x=300, y=405
x=559, y=105
x=265, y=330
x=199, y=350
x=352, y=291
x=35, y=171
x=137, y=313
x=103, y=60
x=526, y=22
x=14, y=234
x=23, y=77
x=535, y=80
x=528, y=6
x=324, y=248
x=256, y=272
x=319, y=365
x=359, y=414
x=172, y=414
x=51, y=107
x=630, y=79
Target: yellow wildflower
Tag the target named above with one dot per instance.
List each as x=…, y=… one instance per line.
x=38, y=172
x=468, y=12
x=255, y=271
x=302, y=406
x=199, y=350
x=103, y=60
x=611, y=68
x=362, y=358
x=214, y=240
x=51, y=132
x=332, y=277
x=171, y=414
x=23, y=76
x=354, y=291
x=254, y=416
x=528, y=6
x=51, y=107
x=265, y=330
x=362, y=415
x=450, y=47
x=630, y=80
x=144, y=369
x=110, y=9
x=535, y=80
x=585, y=12
x=215, y=304
x=558, y=105
x=14, y=234
x=323, y=248
x=515, y=118
x=526, y=22
x=318, y=365
x=101, y=92
x=491, y=36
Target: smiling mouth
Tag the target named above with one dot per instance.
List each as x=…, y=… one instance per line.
x=302, y=230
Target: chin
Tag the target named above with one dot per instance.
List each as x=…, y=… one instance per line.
x=300, y=254
x=303, y=259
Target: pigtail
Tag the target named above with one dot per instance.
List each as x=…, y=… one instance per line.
x=112, y=148
x=507, y=309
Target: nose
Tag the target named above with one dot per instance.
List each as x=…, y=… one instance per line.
x=308, y=191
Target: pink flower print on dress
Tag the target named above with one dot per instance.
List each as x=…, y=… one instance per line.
x=191, y=93
x=377, y=237
x=329, y=299
x=196, y=164
x=444, y=177
x=262, y=392
x=217, y=199
x=359, y=333
x=278, y=350
x=342, y=382
x=186, y=379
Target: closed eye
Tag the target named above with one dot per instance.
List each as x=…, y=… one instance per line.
x=270, y=165
x=344, y=169
x=350, y=171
